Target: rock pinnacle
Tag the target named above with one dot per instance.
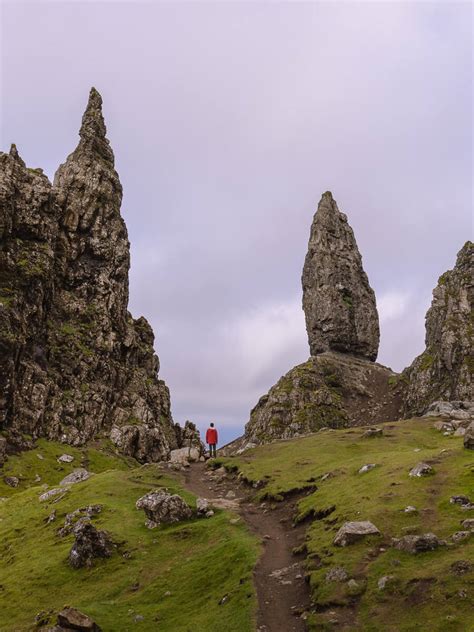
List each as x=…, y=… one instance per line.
x=339, y=304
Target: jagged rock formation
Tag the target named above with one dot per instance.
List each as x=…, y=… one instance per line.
x=338, y=302
x=331, y=390
x=444, y=371
x=73, y=361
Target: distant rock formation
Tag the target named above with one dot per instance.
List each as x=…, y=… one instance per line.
x=444, y=371
x=73, y=362
x=338, y=302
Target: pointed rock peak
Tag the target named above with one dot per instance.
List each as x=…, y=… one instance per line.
x=339, y=304
x=465, y=254
x=15, y=155
x=93, y=130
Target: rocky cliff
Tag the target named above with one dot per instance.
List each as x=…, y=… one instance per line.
x=444, y=371
x=338, y=302
x=74, y=364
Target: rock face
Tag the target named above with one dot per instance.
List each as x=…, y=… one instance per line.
x=73, y=361
x=444, y=371
x=338, y=302
x=330, y=390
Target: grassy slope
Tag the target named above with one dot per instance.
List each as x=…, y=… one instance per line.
x=425, y=593
x=198, y=561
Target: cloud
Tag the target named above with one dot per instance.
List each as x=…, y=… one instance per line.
x=393, y=304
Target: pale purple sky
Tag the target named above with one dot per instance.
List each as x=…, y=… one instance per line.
x=228, y=120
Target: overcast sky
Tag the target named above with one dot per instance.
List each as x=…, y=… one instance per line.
x=228, y=121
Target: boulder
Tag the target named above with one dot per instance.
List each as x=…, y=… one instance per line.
x=464, y=501
x=65, y=458
x=468, y=524
x=456, y=411
x=367, y=468
x=351, y=532
x=460, y=536
x=469, y=437
x=51, y=493
x=11, y=481
x=185, y=455
x=383, y=581
x=76, y=476
x=90, y=543
x=417, y=543
x=162, y=507
x=202, y=506
x=73, y=619
x=370, y=433
x=421, y=469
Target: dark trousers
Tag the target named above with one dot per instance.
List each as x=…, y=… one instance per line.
x=212, y=450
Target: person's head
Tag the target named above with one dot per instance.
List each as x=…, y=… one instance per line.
x=212, y=424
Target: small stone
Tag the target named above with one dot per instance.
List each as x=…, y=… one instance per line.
x=11, y=481
x=51, y=493
x=230, y=494
x=65, y=458
x=460, y=536
x=383, y=581
x=421, y=469
x=468, y=524
x=410, y=509
x=337, y=574
x=73, y=619
x=138, y=617
x=234, y=520
x=209, y=513
x=76, y=476
x=367, y=468
x=202, y=506
x=167, y=593
x=151, y=524
x=461, y=567
x=464, y=501
x=351, y=532
x=51, y=517
x=40, y=457
x=372, y=432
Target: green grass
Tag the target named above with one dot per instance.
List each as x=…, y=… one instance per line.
x=197, y=561
x=425, y=594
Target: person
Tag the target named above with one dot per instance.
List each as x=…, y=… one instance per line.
x=211, y=440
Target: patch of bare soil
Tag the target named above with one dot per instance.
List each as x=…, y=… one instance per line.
x=282, y=592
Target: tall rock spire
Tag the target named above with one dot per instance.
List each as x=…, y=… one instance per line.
x=338, y=302
x=93, y=130
x=445, y=370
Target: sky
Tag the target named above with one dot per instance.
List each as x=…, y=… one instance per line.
x=228, y=120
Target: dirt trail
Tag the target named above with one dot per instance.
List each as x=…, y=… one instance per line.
x=282, y=591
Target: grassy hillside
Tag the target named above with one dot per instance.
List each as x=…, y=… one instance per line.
x=198, y=561
x=424, y=592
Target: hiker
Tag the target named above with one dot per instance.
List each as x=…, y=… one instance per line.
x=211, y=440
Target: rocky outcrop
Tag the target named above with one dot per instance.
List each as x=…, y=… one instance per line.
x=89, y=544
x=444, y=371
x=338, y=302
x=73, y=361
x=331, y=390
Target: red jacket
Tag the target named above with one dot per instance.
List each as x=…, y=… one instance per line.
x=211, y=436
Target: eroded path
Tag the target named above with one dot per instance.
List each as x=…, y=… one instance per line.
x=283, y=594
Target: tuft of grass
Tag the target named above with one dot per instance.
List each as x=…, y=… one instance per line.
x=425, y=594
x=198, y=561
